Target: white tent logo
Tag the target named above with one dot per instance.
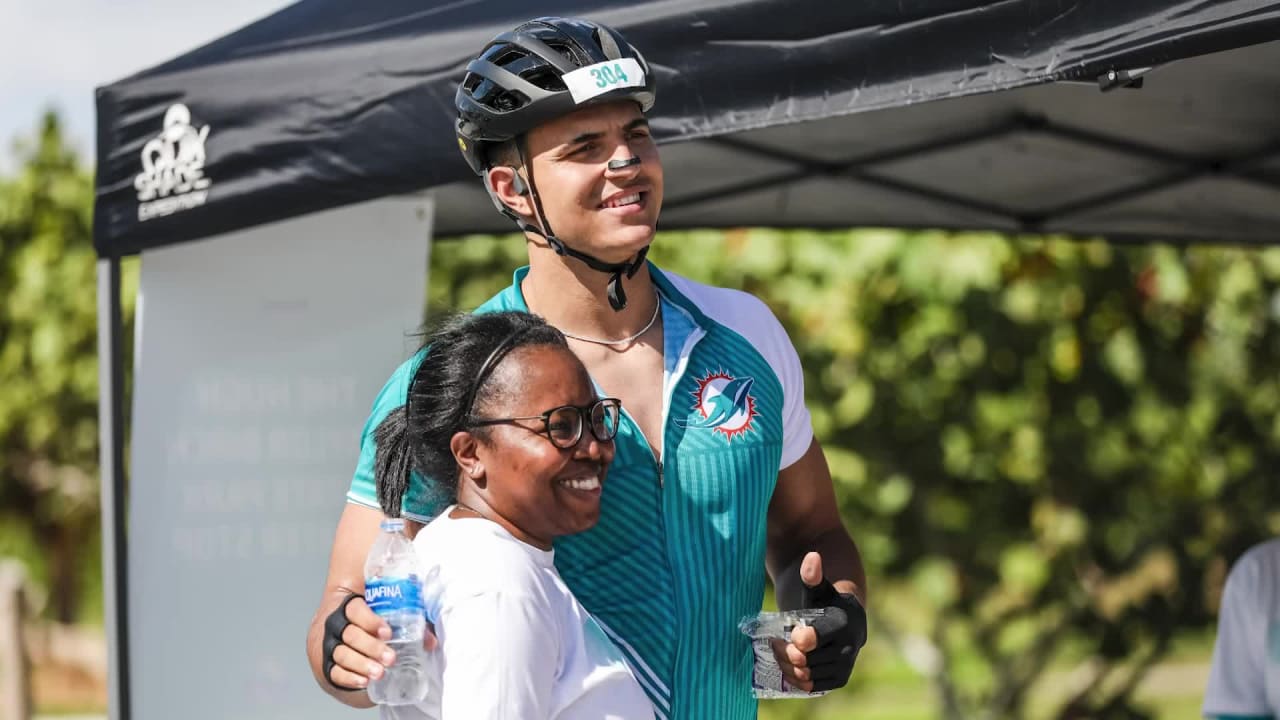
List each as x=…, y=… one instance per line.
x=172, y=177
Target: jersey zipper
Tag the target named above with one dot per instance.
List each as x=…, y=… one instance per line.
x=682, y=364
x=655, y=457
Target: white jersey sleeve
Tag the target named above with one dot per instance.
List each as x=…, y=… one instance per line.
x=748, y=316
x=500, y=658
x=1247, y=628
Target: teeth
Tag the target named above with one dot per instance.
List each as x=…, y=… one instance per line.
x=625, y=200
x=582, y=483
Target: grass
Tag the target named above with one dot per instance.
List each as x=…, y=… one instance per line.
x=885, y=687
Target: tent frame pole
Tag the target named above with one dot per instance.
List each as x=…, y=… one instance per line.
x=1245, y=167
x=115, y=585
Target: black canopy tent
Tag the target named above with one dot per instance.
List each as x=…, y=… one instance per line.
x=327, y=103
x=784, y=114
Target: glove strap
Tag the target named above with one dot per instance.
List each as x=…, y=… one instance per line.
x=334, y=625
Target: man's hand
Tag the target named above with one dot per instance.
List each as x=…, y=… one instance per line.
x=355, y=645
x=343, y=641
x=820, y=656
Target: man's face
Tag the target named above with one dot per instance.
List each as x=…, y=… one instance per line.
x=611, y=214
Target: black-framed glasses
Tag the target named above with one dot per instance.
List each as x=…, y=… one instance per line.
x=563, y=425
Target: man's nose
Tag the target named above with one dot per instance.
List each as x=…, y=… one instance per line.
x=623, y=162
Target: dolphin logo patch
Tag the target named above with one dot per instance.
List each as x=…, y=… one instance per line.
x=724, y=403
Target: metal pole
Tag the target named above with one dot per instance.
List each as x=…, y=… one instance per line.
x=115, y=558
x=15, y=669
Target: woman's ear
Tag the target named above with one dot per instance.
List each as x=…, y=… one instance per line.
x=510, y=189
x=467, y=451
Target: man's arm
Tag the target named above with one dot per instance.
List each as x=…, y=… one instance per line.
x=803, y=518
x=1237, y=688
x=811, y=557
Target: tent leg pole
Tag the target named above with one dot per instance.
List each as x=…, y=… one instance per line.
x=115, y=586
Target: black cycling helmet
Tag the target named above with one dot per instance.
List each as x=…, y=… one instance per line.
x=517, y=82
x=545, y=69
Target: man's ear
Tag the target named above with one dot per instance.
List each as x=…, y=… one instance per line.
x=510, y=189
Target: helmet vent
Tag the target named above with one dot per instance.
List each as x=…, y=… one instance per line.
x=508, y=57
x=606, y=43
x=570, y=52
x=547, y=79
x=508, y=100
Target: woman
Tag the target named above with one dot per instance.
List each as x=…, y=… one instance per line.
x=503, y=415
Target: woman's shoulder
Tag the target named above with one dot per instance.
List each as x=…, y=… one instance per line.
x=470, y=556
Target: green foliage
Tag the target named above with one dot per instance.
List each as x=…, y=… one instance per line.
x=1056, y=444
x=49, y=372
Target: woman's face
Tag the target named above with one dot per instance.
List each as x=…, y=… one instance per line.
x=543, y=490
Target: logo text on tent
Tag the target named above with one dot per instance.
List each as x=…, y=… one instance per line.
x=172, y=177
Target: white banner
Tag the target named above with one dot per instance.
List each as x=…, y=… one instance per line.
x=259, y=354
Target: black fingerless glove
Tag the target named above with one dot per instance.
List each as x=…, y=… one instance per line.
x=842, y=631
x=334, y=625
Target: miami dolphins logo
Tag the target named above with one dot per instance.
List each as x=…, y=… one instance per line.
x=725, y=403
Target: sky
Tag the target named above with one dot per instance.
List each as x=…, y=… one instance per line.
x=53, y=53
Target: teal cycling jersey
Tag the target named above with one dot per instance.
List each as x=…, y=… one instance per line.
x=677, y=558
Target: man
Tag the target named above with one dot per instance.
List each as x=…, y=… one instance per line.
x=1244, y=679
x=716, y=470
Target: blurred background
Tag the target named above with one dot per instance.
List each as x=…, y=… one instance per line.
x=1049, y=449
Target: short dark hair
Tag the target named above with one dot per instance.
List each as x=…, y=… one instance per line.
x=450, y=384
x=503, y=154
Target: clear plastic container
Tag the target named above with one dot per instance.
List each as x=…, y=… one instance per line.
x=393, y=589
x=767, y=680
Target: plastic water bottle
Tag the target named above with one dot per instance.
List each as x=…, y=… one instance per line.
x=393, y=590
x=767, y=680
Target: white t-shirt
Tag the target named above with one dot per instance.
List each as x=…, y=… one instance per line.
x=1244, y=680
x=515, y=643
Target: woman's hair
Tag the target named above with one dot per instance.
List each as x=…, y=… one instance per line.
x=450, y=385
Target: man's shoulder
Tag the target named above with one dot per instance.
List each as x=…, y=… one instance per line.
x=397, y=385
x=736, y=310
x=1267, y=551
x=508, y=298
x=713, y=297
x=1261, y=560
x=1254, y=580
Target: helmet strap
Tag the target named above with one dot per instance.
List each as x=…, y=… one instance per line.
x=616, y=292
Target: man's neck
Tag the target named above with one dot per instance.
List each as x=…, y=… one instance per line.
x=573, y=297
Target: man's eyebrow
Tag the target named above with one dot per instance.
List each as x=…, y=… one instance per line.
x=589, y=136
x=585, y=137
